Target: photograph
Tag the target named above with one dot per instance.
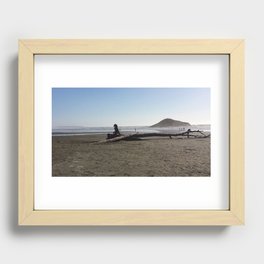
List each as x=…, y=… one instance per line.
x=140, y=132
x=111, y=132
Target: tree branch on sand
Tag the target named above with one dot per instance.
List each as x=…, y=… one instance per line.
x=136, y=136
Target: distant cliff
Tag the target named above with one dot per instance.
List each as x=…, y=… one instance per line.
x=170, y=123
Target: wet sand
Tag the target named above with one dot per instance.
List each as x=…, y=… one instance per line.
x=80, y=156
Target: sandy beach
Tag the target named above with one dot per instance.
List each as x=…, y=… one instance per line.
x=81, y=156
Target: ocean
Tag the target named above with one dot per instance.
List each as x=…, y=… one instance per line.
x=74, y=130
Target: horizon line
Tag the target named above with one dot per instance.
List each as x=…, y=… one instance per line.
x=201, y=124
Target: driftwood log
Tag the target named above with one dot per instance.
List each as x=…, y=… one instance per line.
x=136, y=136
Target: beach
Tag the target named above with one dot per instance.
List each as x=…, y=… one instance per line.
x=80, y=155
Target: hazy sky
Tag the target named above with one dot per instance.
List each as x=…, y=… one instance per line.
x=128, y=106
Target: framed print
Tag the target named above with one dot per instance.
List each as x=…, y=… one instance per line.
x=131, y=132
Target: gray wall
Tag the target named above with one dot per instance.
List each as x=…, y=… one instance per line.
x=132, y=19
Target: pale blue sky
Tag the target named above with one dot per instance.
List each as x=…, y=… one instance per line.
x=128, y=106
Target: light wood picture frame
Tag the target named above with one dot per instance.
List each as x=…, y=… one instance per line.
x=28, y=216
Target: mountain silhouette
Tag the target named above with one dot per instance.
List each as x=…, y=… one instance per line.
x=168, y=122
